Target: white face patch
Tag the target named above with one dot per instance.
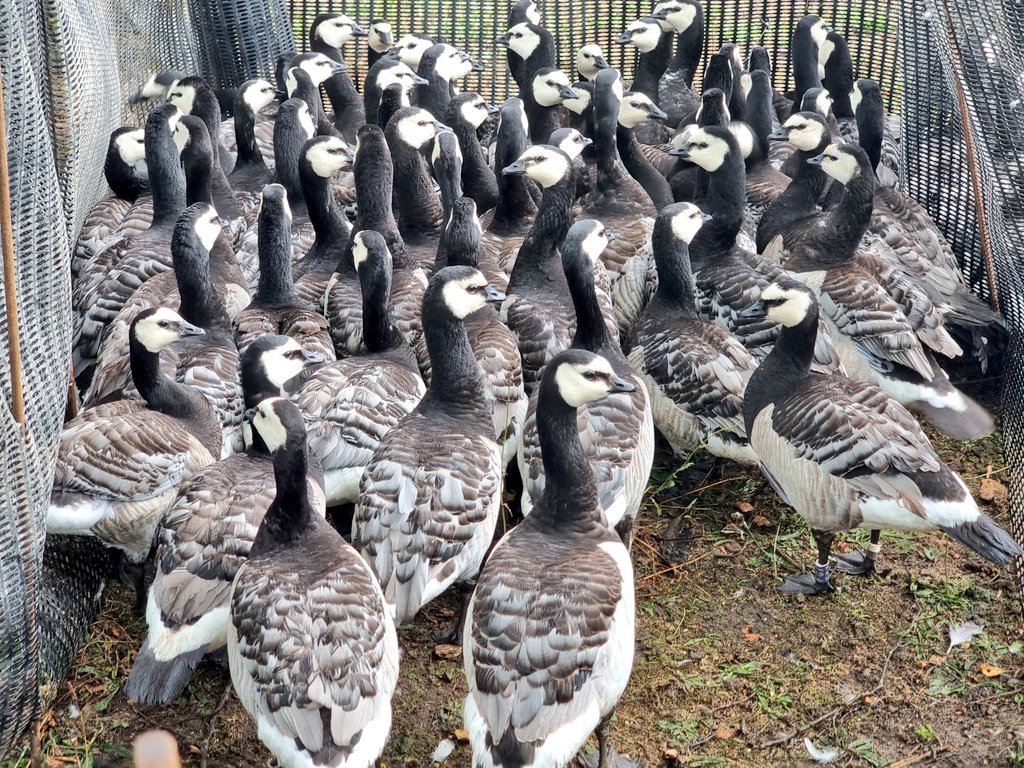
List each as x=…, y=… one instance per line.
x=819, y=32
x=283, y=363
x=258, y=95
x=547, y=89
x=841, y=166
x=573, y=144
x=154, y=336
x=267, y=423
x=181, y=137
x=794, y=308
x=306, y=121
x=544, y=166
x=532, y=14
x=131, y=146
x=856, y=95
x=328, y=157
x=680, y=17
x=825, y=50
x=686, y=222
x=644, y=36
x=319, y=68
x=803, y=133
x=474, y=112
x=580, y=103
x=290, y=83
x=378, y=32
x=823, y=103
x=744, y=137
x=183, y=97
x=448, y=65
x=593, y=244
x=579, y=384
x=151, y=88
x=360, y=253
x=466, y=296
x=522, y=40
x=411, y=49
x=617, y=88
x=337, y=31
x=706, y=150
x=417, y=129
x=634, y=109
x=207, y=228
x=585, y=58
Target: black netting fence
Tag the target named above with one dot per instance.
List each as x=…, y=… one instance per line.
x=69, y=66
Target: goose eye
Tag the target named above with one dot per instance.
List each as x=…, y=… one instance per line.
x=591, y=375
x=163, y=324
x=295, y=353
x=703, y=145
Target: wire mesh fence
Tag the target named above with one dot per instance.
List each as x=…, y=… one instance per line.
x=69, y=67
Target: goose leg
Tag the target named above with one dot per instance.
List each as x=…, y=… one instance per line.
x=606, y=756
x=134, y=575
x=453, y=635
x=816, y=583
x=861, y=563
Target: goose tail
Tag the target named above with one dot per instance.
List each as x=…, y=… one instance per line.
x=986, y=538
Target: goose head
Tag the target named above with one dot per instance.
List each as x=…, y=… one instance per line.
x=269, y=363
x=327, y=155
x=636, y=108
x=336, y=29
x=416, y=127
x=319, y=67
x=551, y=87
x=463, y=290
x=129, y=144
x=582, y=377
x=280, y=424
x=570, y=141
x=843, y=162
x=256, y=94
x=543, y=163
x=676, y=15
x=707, y=147
x=590, y=60
x=410, y=49
x=584, y=94
x=158, y=327
x=786, y=302
x=644, y=34
x=472, y=109
x=522, y=39
x=804, y=130
x=379, y=36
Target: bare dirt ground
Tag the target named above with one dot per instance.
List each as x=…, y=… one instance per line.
x=727, y=673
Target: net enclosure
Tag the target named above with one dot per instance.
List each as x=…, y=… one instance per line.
x=953, y=71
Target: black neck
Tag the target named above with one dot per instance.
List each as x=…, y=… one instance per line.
x=325, y=214
x=675, y=281
x=290, y=515
x=759, y=116
x=515, y=204
x=851, y=217
x=412, y=188
x=724, y=200
x=591, y=332
x=474, y=164
x=161, y=393
x=275, y=254
x=310, y=93
x=809, y=181
x=207, y=108
x=455, y=383
x=689, y=45
x=543, y=121
x=339, y=87
x=379, y=332
x=390, y=102
x=805, y=65
x=787, y=364
x=288, y=141
x=651, y=66
x=569, y=500
x=122, y=179
x=245, y=136
x=166, y=177
x=610, y=170
x=871, y=128
x=654, y=183
x=200, y=304
x=550, y=226
x=435, y=94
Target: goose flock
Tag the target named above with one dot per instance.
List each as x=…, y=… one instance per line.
x=392, y=306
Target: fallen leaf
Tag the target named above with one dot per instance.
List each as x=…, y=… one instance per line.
x=724, y=732
x=749, y=634
x=936, y=661
x=823, y=756
x=992, y=490
x=990, y=671
x=869, y=699
x=448, y=652
x=443, y=750
x=744, y=507
x=962, y=633
x=461, y=735
x=761, y=521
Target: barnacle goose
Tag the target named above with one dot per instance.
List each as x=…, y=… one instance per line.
x=327, y=35
x=311, y=646
x=548, y=645
x=845, y=455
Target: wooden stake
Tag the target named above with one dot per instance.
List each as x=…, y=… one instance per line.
x=10, y=276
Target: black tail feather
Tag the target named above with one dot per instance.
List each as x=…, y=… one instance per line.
x=987, y=539
x=160, y=682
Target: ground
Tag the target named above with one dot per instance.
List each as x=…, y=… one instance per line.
x=727, y=672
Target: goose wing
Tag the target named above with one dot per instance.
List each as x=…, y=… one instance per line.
x=317, y=656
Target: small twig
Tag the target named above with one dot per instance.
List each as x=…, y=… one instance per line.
x=213, y=725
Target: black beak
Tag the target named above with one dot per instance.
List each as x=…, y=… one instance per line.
x=478, y=67
x=600, y=63
x=683, y=152
x=706, y=217
x=393, y=53
x=417, y=80
x=624, y=38
x=657, y=113
x=492, y=108
x=660, y=15
x=621, y=385
x=441, y=126
x=816, y=160
x=517, y=167
x=280, y=94
x=567, y=93
x=587, y=141
x=358, y=31
x=754, y=311
x=493, y=294
x=610, y=236
x=187, y=329
x=780, y=135
x=224, y=222
x=386, y=38
x=138, y=98
x=501, y=40
x=312, y=358
x=337, y=67
x=350, y=154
